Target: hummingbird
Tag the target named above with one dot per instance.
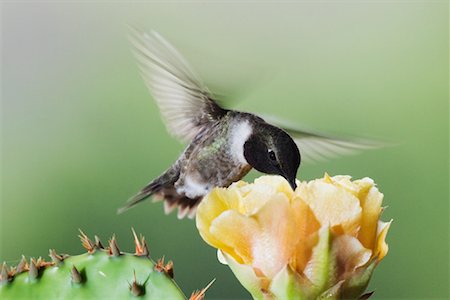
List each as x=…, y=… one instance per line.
x=223, y=144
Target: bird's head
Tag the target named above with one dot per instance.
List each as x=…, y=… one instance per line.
x=272, y=151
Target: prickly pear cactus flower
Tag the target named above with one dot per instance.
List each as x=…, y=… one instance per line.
x=321, y=241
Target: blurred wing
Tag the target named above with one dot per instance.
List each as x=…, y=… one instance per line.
x=317, y=147
x=185, y=103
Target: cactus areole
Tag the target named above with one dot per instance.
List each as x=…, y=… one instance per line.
x=101, y=273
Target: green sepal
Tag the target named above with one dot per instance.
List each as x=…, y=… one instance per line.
x=332, y=293
x=288, y=284
x=355, y=286
x=321, y=268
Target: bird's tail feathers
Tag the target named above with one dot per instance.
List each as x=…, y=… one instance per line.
x=150, y=189
x=172, y=200
x=187, y=207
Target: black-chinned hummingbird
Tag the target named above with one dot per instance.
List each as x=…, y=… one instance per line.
x=224, y=145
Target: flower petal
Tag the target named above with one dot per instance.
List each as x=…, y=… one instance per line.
x=371, y=210
x=381, y=248
x=256, y=195
x=278, y=237
x=284, y=244
x=236, y=234
x=350, y=254
x=332, y=205
x=221, y=257
x=278, y=182
x=247, y=277
x=213, y=205
x=359, y=188
x=307, y=229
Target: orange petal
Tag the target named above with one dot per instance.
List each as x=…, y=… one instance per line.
x=236, y=234
x=278, y=237
x=332, y=205
x=371, y=210
x=255, y=197
x=213, y=205
x=358, y=187
x=307, y=233
x=278, y=182
x=382, y=248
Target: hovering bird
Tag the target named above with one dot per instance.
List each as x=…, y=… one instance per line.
x=223, y=144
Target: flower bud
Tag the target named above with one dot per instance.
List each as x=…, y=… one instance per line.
x=321, y=241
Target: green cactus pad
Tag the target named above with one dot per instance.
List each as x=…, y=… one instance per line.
x=101, y=273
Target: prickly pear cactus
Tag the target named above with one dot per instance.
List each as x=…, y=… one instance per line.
x=101, y=273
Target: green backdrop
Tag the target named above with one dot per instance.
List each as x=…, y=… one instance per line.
x=80, y=133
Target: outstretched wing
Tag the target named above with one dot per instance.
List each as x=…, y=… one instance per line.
x=185, y=103
x=316, y=147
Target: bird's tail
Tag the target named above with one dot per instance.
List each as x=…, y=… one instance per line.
x=162, y=188
x=150, y=189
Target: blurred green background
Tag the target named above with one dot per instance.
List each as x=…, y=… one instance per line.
x=80, y=132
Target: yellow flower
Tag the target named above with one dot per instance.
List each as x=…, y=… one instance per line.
x=322, y=240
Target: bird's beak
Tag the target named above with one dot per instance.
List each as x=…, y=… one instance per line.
x=292, y=183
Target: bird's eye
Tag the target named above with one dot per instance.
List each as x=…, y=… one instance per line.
x=272, y=155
